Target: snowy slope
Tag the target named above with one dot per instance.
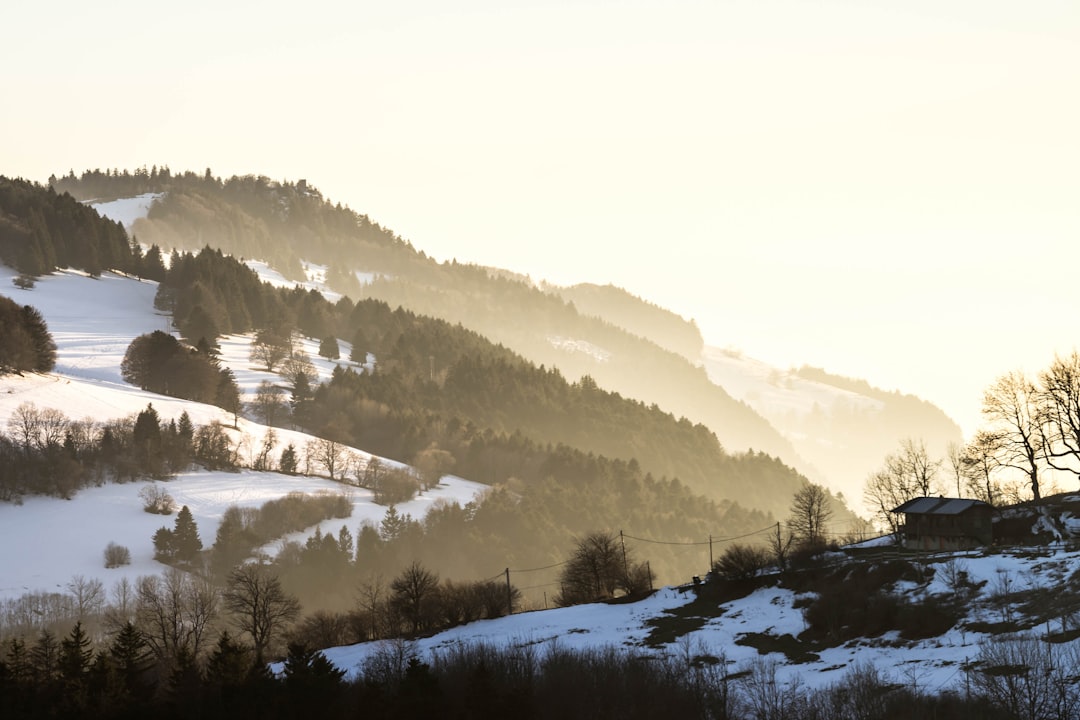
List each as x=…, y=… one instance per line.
x=93, y=320
x=935, y=663
x=778, y=393
x=126, y=210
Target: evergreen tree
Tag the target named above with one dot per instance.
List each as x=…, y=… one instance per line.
x=186, y=536
x=44, y=348
x=74, y=658
x=164, y=545
x=328, y=348
x=289, y=462
x=148, y=443
x=132, y=659
x=228, y=394
x=44, y=658
x=311, y=680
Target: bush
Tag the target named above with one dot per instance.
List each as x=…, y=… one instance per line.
x=741, y=562
x=156, y=500
x=116, y=555
x=395, y=486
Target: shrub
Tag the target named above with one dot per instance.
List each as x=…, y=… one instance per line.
x=394, y=486
x=156, y=500
x=741, y=562
x=116, y=555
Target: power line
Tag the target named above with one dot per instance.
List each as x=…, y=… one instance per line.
x=705, y=542
x=546, y=567
x=665, y=542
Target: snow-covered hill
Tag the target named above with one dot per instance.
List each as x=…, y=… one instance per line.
x=93, y=320
x=674, y=621
x=843, y=427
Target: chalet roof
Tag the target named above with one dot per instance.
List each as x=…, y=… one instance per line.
x=937, y=506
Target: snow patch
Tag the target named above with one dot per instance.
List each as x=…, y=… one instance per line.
x=579, y=346
x=126, y=210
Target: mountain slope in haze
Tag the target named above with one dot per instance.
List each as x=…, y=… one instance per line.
x=635, y=315
x=834, y=435
x=285, y=223
x=844, y=427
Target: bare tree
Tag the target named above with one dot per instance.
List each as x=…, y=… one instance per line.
x=1011, y=407
x=259, y=605
x=908, y=473
x=413, y=592
x=262, y=460
x=173, y=611
x=89, y=595
x=1059, y=396
x=980, y=462
x=811, y=508
x=268, y=403
x=298, y=365
x=598, y=568
x=371, y=598
x=780, y=545
x=25, y=424
x=270, y=348
x=954, y=456
x=328, y=454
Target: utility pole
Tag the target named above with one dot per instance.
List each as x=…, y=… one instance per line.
x=625, y=566
x=509, y=595
x=710, y=552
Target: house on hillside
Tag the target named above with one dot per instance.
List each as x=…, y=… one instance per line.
x=943, y=523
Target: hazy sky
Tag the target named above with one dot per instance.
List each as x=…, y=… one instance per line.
x=885, y=189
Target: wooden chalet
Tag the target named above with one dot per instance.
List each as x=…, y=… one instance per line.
x=943, y=523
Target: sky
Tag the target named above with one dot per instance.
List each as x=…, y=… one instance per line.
x=887, y=190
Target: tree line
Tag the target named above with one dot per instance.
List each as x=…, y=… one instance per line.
x=44, y=452
x=70, y=677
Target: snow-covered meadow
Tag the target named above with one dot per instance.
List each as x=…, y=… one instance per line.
x=932, y=665
x=44, y=542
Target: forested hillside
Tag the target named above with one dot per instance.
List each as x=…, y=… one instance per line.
x=635, y=315
x=444, y=385
x=284, y=223
x=564, y=458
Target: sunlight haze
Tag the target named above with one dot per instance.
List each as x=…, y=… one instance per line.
x=885, y=190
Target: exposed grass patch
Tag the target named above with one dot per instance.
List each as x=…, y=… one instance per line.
x=680, y=621
x=997, y=628
x=794, y=649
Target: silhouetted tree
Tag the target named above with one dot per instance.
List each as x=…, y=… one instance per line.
x=259, y=605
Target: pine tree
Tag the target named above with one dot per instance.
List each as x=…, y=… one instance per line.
x=75, y=654
x=132, y=659
x=227, y=396
x=43, y=658
x=44, y=348
x=230, y=662
x=164, y=545
x=146, y=438
x=186, y=536
x=328, y=348
x=289, y=462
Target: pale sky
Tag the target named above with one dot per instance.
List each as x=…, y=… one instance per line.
x=885, y=189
